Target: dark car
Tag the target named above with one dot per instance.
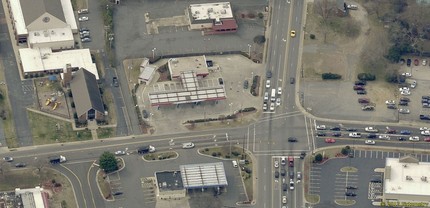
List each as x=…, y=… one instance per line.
x=402, y=139
x=403, y=103
x=376, y=180
x=363, y=100
x=20, y=165
x=283, y=172
x=291, y=174
x=82, y=29
x=350, y=194
x=117, y=193
x=321, y=133
x=336, y=134
x=221, y=82
x=425, y=97
x=361, y=92
x=360, y=82
x=351, y=129
x=292, y=139
x=335, y=128
x=405, y=99
x=245, y=84
x=269, y=74
x=145, y=113
x=390, y=131
x=371, y=136
x=276, y=174
x=408, y=62
x=115, y=81
x=284, y=187
x=351, y=187
x=351, y=154
x=424, y=117
x=358, y=87
x=405, y=132
x=391, y=107
x=302, y=155
x=292, y=80
x=416, y=62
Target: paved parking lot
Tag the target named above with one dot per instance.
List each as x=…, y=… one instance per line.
x=330, y=182
x=135, y=181
x=95, y=24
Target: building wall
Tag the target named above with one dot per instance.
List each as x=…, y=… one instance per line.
x=39, y=24
x=403, y=197
x=174, y=194
x=57, y=45
x=201, y=26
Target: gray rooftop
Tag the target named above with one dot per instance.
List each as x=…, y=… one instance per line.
x=33, y=9
x=86, y=93
x=203, y=175
x=169, y=180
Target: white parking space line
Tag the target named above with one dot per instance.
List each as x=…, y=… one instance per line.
x=360, y=153
x=371, y=153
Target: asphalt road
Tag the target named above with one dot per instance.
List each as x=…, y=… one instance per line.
x=20, y=93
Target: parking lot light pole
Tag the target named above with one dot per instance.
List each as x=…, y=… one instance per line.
x=153, y=53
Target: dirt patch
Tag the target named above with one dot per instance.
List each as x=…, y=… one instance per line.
x=104, y=185
x=51, y=98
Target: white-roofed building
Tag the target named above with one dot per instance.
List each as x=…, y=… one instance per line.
x=33, y=197
x=406, y=183
x=29, y=16
x=42, y=61
x=205, y=175
x=56, y=39
x=212, y=18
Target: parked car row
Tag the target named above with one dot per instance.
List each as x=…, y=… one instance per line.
x=84, y=32
x=416, y=62
x=425, y=101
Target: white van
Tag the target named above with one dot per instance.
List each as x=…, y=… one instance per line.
x=234, y=163
x=273, y=95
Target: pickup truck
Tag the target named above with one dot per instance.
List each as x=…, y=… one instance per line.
x=57, y=159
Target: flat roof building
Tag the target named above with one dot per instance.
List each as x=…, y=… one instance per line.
x=193, y=63
x=33, y=197
x=205, y=175
x=169, y=184
x=42, y=61
x=212, y=18
x=406, y=183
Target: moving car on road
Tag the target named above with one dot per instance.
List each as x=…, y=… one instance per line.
x=293, y=33
x=8, y=159
x=371, y=129
x=371, y=142
x=384, y=136
x=414, y=138
x=284, y=199
x=321, y=127
x=355, y=135
x=188, y=145
x=292, y=139
x=119, y=152
x=20, y=165
x=330, y=140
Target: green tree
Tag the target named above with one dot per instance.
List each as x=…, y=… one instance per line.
x=108, y=162
x=318, y=157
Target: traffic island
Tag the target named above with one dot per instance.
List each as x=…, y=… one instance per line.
x=342, y=202
x=160, y=156
x=244, y=161
x=349, y=169
x=103, y=181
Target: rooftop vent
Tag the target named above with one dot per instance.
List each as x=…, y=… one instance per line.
x=409, y=178
x=424, y=178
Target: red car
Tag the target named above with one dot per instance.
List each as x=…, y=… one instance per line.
x=363, y=100
x=416, y=62
x=358, y=87
x=291, y=161
x=329, y=140
x=427, y=139
x=390, y=131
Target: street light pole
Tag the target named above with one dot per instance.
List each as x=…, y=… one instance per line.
x=249, y=50
x=153, y=53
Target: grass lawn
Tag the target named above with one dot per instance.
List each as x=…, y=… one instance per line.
x=47, y=130
x=108, y=100
x=104, y=185
x=31, y=178
x=8, y=127
x=103, y=133
x=160, y=156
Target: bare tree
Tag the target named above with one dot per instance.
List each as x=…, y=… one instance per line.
x=324, y=8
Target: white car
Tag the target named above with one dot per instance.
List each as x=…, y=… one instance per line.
x=119, y=152
x=424, y=62
x=369, y=142
x=279, y=90
x=278, y=101
x=425, y=133
x=405, y=92
x=284, y=199
x=83, y=19
x=272, y=106
x=276, y=164
x=85, y=32
x=268, y=84
x=424, y=128
x=404, y=111
x=407, y=74
x=404, y=89
x=390, y=102
x=414, y=138
x=384, y=136
x=355, y=135
x=283, y=160
x=188, y=145
x=371, y=129
x=321, y=127
x=266, y=96
x=264, y=106
x=291, y=184
x=83, y=11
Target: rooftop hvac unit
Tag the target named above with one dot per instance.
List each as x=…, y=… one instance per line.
x=408, y=178
x=424, y=178
x=223, y=11
x=210, y=9
x=52, y=32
